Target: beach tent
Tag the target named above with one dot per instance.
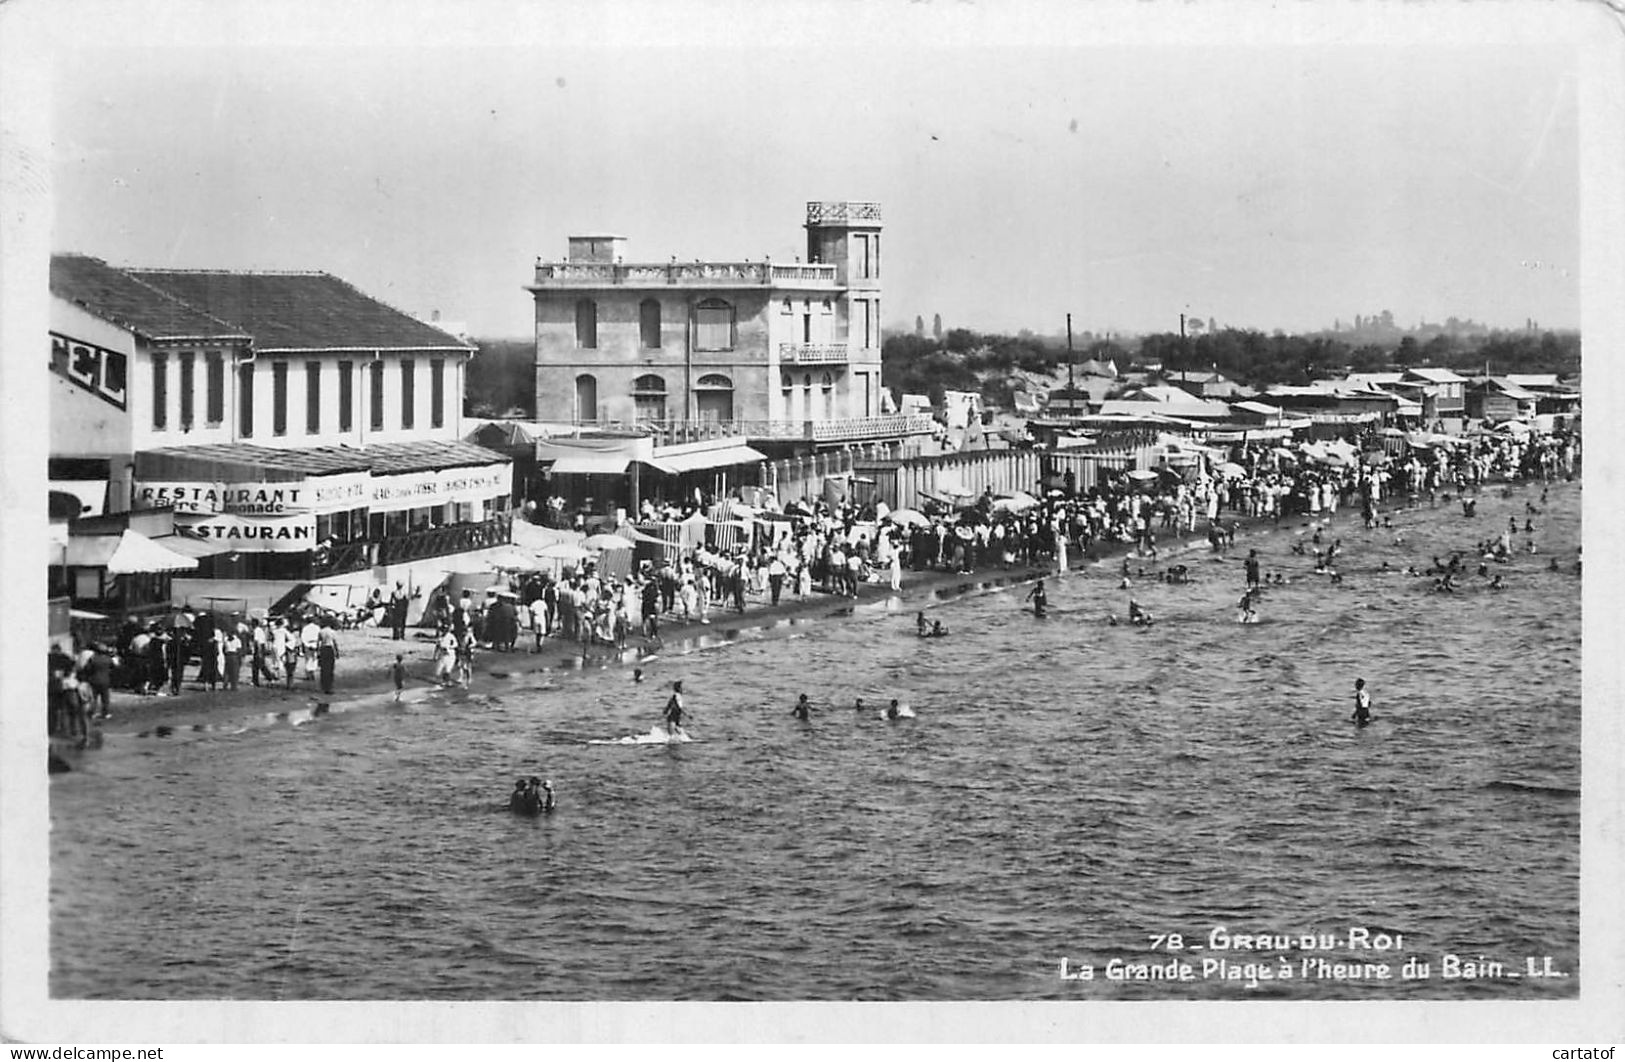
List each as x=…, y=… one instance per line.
x=453, y=583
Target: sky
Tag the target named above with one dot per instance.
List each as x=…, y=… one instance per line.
x=1124, y=165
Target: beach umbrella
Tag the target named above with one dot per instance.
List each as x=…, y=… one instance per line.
x=908, y=516
x=178, y=620
x=1142, y=475
x=1018, y=502
x=605, y=541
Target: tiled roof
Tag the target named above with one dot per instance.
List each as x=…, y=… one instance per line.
x=383, y=459
x=1437, y=375
x=300, y=311
x=119, y=298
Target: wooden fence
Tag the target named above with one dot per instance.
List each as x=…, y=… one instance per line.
x=908, y=483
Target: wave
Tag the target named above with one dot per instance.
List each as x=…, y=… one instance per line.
x=1523, y=787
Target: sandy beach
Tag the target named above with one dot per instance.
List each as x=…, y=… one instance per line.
x=366, y=653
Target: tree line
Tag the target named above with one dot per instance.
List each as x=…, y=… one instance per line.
x=501, y=377
x=969, y=361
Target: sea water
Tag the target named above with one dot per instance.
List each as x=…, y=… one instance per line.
x=1071, y=797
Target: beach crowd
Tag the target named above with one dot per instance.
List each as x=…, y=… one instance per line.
x=794, y=552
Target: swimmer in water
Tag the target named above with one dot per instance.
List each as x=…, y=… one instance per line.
x=546, y=795
x=1137, y=615
x=919, y=622
x=1498, y=583
x=1248, y=615
x=937, y=629
x=802, y=710
x=637, y=674
x=892, y=710
x=675, y=711
x=1362, y=704
x=517, y=800
x=1039, y=598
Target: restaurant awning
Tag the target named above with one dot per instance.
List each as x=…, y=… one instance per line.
x=189, y=546
x=591, y=465
x=717, y=457
x=125, y=553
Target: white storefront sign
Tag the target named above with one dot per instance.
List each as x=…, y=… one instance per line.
x=326, y=494
x=416, y=490
x=251, y=534
x=268, y=499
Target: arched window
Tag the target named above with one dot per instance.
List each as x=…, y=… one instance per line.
x=786, y=307
x=649, y=323
x=649, y=397
x=714, y=397
x=586, y=324
x=587, y=398
x=713, y=325
x=829, y=396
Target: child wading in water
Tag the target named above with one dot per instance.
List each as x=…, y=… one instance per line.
x=397, y=671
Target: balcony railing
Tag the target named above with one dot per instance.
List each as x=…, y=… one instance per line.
x=851, y=429
x=841, y=211
x=690, y=274
x=812, y=354
x=441, y=541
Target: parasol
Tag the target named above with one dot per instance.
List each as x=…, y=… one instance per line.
x=604, y=541
x=1018, y=502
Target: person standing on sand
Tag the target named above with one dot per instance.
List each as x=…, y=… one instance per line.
x=445, y=656
x=309, y=637
x=258, y=647
x=290, y=659
x=233, y=648
x=327, y=653
x=397, y=612
x=397, y=672
x=775, y=576
x=538, y=621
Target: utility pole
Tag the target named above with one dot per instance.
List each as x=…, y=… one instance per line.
x=1069, y=358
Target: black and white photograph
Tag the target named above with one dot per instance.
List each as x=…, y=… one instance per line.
x=547, y=507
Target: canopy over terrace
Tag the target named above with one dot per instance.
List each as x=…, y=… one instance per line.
x=630, y=456
x=320, y=510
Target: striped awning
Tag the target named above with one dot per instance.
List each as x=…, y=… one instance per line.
x=122, y=554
